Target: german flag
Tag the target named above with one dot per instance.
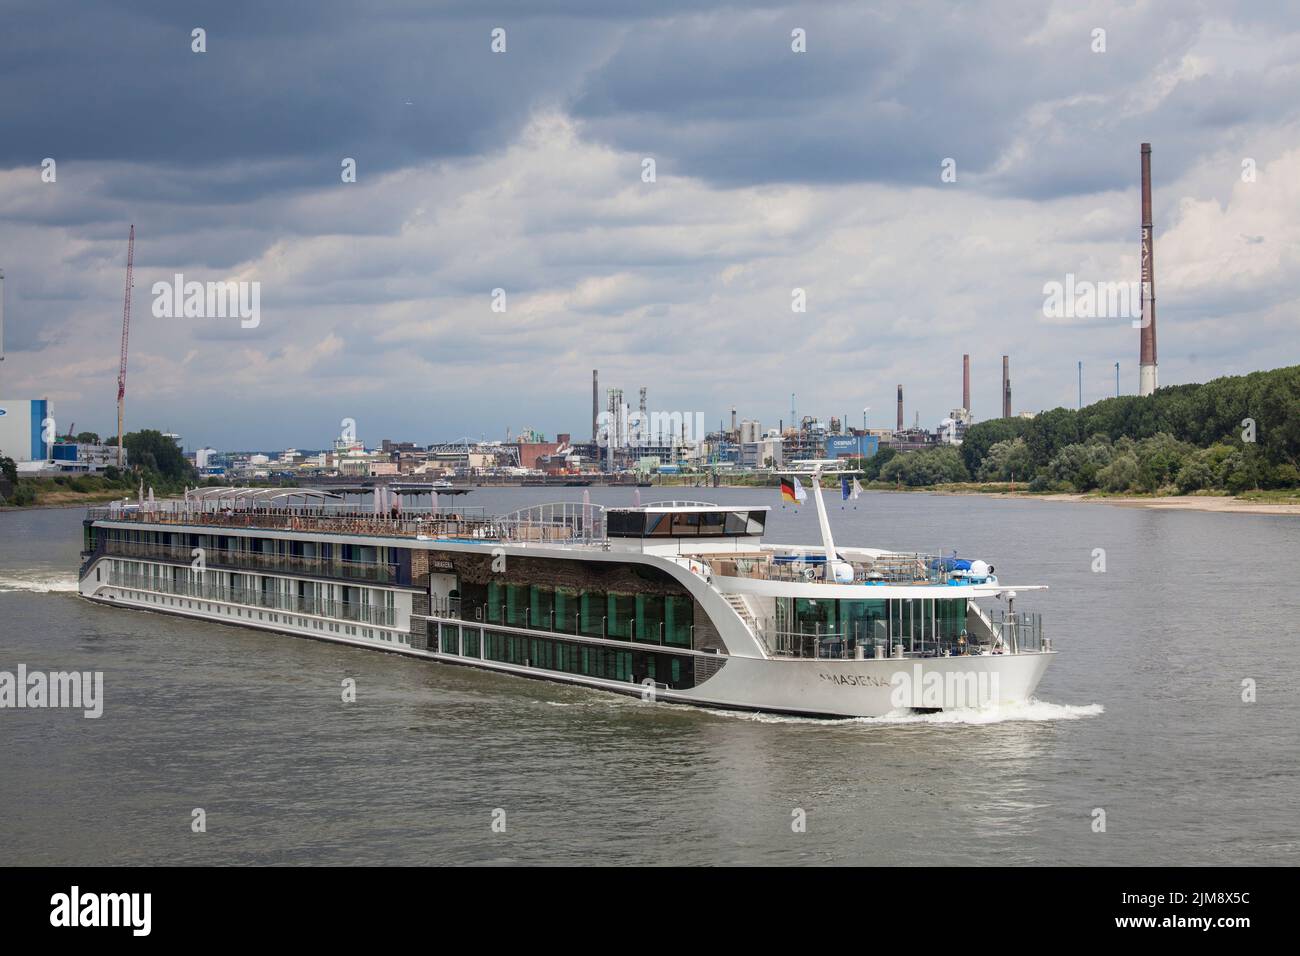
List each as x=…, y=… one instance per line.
x=788, y=492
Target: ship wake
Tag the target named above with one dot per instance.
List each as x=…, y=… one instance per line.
x=1030, y=711
x=38, y=582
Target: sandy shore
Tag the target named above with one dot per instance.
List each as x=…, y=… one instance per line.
x=1217, y=503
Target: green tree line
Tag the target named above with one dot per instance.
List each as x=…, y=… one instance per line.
x=1235, y=433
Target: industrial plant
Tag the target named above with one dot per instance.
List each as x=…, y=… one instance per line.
x=627, y=442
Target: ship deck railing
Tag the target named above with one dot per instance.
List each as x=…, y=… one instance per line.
x=436, y=524
x=252, y=597
x=373, y=572
x=891, y=568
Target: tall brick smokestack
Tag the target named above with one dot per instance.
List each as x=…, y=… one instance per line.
x=965, y=382
x=900, y=408
x=1006, y=387
x=595, y=402
x=1148, y=380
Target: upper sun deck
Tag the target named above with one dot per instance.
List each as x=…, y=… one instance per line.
x=724, y=541
x=691, y=524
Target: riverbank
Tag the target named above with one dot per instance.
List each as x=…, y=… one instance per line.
x=1221, y=504
x=1255, y=502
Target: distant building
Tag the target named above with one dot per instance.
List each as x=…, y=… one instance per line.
x=851, y=446
x=21, y=427
x=763, y=453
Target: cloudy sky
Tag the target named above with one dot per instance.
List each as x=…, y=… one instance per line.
x=522, y=170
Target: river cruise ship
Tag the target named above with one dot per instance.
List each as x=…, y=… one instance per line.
x=675, y=601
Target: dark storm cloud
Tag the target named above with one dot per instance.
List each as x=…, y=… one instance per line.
x=885, y=92
x=281, y=95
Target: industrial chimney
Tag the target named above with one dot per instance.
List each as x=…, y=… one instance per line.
x=1006, y=387
x=965, y=382
x=2, y=315
x=1148, y=380
x=900, y=408
x=595, y=404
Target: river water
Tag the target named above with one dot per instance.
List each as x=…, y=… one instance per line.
x=1140, y=716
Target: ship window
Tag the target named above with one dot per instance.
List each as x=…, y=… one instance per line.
x=650, y=618
x=566, y=610
x=621, y=616
x=679, y=613
x=594, y=612
x=687, y=524
x=447, y=640
x=517, y=605
x=625, y=524
x=658, y=525
x=542, y=607
x=711, y=523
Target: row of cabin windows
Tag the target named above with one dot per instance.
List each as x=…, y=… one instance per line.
x=644, y=618
x=609, y=663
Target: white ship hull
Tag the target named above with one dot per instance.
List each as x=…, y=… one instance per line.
x=807, y=687
x=706, y=615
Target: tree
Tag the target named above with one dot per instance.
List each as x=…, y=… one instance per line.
x=8, y=470
x=1007, y=461
x=1077, y=465
x=1051, y=431
x=871, y=466
x=87, y=438
x=1159, y=459
x=1121, y=474
x=930, y=466
x=982, y=436
x=1204, y=468
x=151, y=451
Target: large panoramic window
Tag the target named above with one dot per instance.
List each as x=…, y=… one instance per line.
x=566, y=611
x=622, y=616
x=679, y=616
x=517, y=610
x=595, y=609
x=652, y=524
x=541, y=607
x=650, y=618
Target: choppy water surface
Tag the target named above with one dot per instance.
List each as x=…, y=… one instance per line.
x=1140, y=715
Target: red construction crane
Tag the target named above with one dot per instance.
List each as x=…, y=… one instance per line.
x=126, y=327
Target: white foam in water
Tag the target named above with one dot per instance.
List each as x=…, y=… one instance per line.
x=40, y=582
x=1032, y=710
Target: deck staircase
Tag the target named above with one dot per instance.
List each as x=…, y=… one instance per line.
x=979, y=624
x=740, y=605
